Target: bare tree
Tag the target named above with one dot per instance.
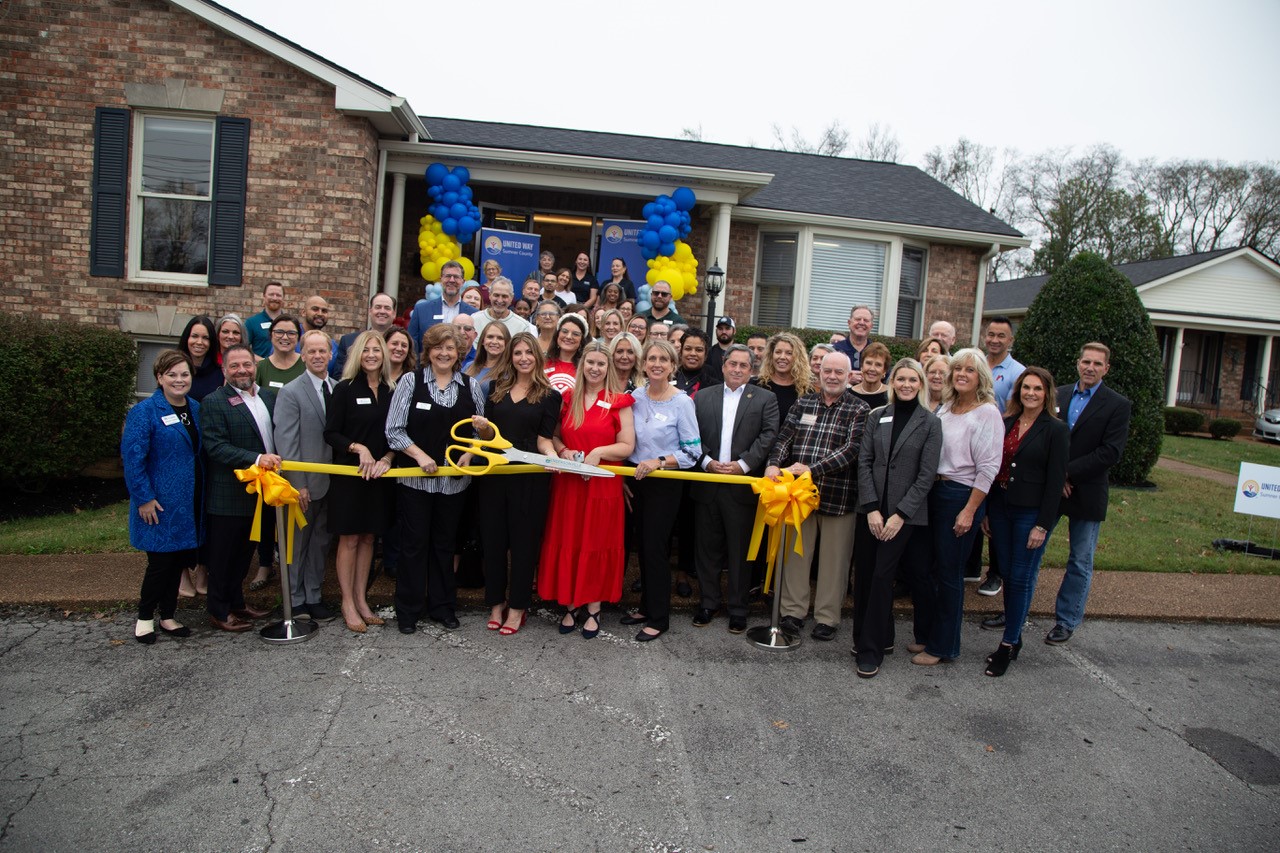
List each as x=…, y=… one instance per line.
x=831, y=143
x=693, y=134
x=879, y=144
x=1260, y=224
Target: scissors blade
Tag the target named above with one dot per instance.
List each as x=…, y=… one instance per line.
x=556, y=463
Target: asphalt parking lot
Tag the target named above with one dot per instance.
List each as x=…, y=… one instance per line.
x=1135, y=736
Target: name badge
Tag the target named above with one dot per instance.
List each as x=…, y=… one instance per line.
x=604, y=404
x=169, y=420
x=275, y=384
x=426, y=407
x=887, y=420
x=364, y=401
x=808, y=420
x=266, y=325
x=235, y=401
x=439, y=316
x=659, y=416
x=669, y=322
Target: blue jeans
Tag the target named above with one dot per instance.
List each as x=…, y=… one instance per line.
x=1010, y=527
x=950, y=552
x=1075, y=582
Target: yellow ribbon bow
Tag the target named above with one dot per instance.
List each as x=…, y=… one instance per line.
x=786, y=502
x=276, y=491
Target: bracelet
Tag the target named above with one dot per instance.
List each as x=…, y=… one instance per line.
x=1041, y=529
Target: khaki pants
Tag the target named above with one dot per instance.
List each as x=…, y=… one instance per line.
x=833, y=569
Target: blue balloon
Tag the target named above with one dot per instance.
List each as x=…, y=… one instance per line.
x=434, y=191
x=655, y=222
x=647, y=253
x=649, y=239
x=462, y=173
x=467, y=225
x=667, y=249
x=457, y=210
x=449, y=225
x=465, y=193
x=673, y=219
x=436, y=173
x=648, y=210
x=642, y=292
x=642, y=307
x=451, y=183
x=684, y=198
x=667, y=234
x=449, y=197
x=684, y=230
x=440, y=211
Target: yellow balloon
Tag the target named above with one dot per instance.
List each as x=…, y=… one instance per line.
x=468, y=268
x=437, y=228
x=683, y=250
x=652, y=277
x=677, y=291
x=431, y=271
x=676, y=280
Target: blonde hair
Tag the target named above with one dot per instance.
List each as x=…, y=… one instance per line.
x=914, y=366
x=970, y=357
x=928, y=362
x=637, y=348
x=612, y=387
x=504, y=375
x=801, y=375
x=353, y=368
x=664, y=346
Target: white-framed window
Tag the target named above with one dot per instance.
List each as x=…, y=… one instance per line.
x=171, y=184
x=776, y=278
x=149, y=350
x=843, y=272
x=911, y=292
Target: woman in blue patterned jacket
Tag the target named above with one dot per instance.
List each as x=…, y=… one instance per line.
x=165, y=476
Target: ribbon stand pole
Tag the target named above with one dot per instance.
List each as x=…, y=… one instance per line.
x=290, y=630
x=773, y=635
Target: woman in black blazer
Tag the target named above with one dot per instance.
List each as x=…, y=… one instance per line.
x=897, y=464
x=1023, y=505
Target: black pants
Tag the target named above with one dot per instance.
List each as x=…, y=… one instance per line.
x=659, y=507
x=873, y=574
x=686, y=534
x=973, y=568
x=267, y=547
x=428, y=531
x=160, y=583
x=917, y=569
x=230, y=551
x=515, y=509
x=724, y=533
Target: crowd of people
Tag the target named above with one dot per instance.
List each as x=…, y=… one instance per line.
x=917, y=462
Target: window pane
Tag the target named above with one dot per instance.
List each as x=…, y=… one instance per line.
x=177, y=156
x=909, y=286
x=845, y=273
x=175, y=235
x=775, y=286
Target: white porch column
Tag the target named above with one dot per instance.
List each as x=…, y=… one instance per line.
x=395, y=237
x=718, y=250
x=1175, y=368
x=1265, y=373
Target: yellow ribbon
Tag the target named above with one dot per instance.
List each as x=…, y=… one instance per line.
x=276, y=491
x=447, y=470
x=786, y=502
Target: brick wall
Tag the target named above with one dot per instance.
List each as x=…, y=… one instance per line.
x=951, y=287
x=312, y=170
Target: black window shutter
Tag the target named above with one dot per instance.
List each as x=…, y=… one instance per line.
x=230, y=179
x=109, y=225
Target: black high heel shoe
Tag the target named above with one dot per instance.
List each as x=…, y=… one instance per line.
x=590, y=635
x=1000, y=660
x=180, y=631
x=1013, y=654
x=572, y=613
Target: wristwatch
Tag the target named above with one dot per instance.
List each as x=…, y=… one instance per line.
x=662, y=462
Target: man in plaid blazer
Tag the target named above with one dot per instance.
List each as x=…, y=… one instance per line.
x=236, y=423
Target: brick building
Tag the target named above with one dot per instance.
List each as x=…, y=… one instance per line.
x=164, y=158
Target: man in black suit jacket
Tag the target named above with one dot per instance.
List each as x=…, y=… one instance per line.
x=738, y=423
x=236, y=423
x=1099, y=422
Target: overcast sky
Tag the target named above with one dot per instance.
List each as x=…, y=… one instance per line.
x=1155, y=78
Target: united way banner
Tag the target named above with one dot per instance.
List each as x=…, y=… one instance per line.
x=516, y=252
x=1258, y=490
x=621, y=239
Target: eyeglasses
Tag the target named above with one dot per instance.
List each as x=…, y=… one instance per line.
x=280, y=333
x=573, y=333
x=659, y=293
x=548, y=314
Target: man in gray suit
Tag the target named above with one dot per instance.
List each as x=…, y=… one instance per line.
x=299, y=434
x=738, y=423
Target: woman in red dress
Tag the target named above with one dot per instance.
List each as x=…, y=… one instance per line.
x=583, y=556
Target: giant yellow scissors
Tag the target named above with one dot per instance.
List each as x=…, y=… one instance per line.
x=499, y=451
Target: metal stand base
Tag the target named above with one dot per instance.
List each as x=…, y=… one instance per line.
x=289, y=631
x=769, y=637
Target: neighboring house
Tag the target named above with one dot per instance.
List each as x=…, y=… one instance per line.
x=169, y=157
x=1216, y=316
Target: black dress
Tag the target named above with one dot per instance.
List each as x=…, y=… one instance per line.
x=354, y=414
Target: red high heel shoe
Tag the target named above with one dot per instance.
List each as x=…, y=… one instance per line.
x=507, y=630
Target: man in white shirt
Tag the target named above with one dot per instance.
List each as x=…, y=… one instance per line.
x=501, y=295
x=738, y=423
x=428, y=312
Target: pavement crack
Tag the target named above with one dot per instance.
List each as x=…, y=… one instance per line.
x=271, y=806
x=8, y=821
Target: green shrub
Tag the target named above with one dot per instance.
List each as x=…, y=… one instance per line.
x=898, y=347
x=66, y=389
x=1088, y=300
x=1224, y=427
x=1178, y=420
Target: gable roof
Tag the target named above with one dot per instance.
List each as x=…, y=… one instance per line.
x=803, y=183
x=1017, y=294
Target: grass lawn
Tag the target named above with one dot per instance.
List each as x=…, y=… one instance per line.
x=1172, y=528
x=1220, y=455
x=93, y=531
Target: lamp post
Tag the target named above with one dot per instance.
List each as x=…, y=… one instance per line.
x=714, y=284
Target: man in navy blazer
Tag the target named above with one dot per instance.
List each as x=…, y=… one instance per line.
x=738, y=423
x=299, y=432
x=429, y=312
x=1099, y=422
x=235, y=421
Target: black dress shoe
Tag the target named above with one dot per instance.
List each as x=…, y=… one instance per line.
x=791, y=624
x=319, y=611
x=737, y=624
x=683, y=589
x=703, y=617
x=823, y=632
x=147, y=639
x=645, y=637
x=451, y=622
x=1058, y=635
x=180, y=631
x=408, y=627
x=992, y=623
x=633, y=618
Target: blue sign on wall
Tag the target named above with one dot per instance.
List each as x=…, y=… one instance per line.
x=516, y=252
x=620, y=238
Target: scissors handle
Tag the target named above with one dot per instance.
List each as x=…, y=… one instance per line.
x=497, y=441
x=455, y=451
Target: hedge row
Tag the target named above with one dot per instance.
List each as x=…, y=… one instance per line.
x=67, y=387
